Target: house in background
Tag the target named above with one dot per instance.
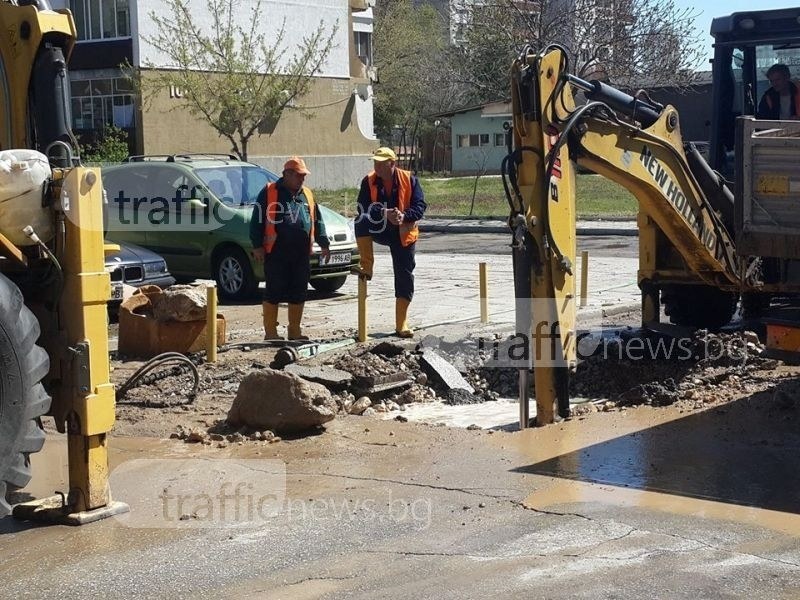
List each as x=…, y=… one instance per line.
x=336, y=141
x=479, y=137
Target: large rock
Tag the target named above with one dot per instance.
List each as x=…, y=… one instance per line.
x=281, y=402
x=181, y=303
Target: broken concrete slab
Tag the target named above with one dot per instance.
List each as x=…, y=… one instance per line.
x=443, y=372
x=180, y=303
x=330, y=377
x=281, y=402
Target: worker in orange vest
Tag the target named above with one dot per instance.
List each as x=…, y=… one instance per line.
x=390, y=203
x=285, y=224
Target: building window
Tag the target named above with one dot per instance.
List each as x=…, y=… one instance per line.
x=499, y=139
x=363, y=44
x=100, y=102
x=101, y=19
x=473, y=140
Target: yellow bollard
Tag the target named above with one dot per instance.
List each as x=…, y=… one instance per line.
x=211, y=323
x=362, y=308
x=484, y=292
x=584, y=276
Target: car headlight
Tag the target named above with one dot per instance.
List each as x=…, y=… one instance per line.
x=159, y=266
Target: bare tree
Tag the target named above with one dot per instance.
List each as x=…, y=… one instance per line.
x=233, y=77
x=629, y=42
x=410, y=56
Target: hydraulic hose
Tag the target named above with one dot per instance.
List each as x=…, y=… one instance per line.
x=140, y=374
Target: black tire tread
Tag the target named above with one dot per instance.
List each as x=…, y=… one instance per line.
x=698, y=306
x=20, y=327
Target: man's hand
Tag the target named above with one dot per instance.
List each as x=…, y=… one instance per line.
x=394, y=215
x=258, y=254
x=326, y=256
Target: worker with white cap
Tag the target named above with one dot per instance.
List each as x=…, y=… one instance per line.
x=390, y=203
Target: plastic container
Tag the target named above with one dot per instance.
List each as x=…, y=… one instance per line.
x=23, y=175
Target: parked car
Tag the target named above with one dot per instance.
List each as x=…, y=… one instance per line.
x=135, y=266
x=195, y=211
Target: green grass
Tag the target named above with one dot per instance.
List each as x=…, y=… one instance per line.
x=596, y=197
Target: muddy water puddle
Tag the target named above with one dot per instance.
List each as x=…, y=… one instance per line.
x=710, y=464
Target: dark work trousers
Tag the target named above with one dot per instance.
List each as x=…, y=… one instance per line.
x=403, y=264
x=286, y=268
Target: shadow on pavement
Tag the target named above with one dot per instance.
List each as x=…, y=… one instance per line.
x=746, y=452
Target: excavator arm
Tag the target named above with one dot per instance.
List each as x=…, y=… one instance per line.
x=634, y=142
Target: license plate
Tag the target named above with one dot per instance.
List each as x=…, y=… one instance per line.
x=116, y=292
x=339, y=259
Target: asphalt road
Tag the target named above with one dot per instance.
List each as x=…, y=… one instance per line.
x=607, y=507
x=495, y=243
x=647, y=502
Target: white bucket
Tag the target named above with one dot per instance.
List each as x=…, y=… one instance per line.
x=23, y=174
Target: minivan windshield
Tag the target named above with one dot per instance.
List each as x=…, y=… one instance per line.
x=236, y=185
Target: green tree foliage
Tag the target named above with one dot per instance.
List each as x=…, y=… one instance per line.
x=632, y=43
x=410, y=50
x=234, y=78
x=111, y=146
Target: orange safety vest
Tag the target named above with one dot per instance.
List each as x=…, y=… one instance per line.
x=270, y=232
x=409, y=232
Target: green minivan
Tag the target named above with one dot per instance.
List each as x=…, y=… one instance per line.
x=195, y=211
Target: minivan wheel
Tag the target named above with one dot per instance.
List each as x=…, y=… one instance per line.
x=234, y=276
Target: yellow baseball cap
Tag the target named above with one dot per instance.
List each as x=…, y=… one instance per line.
x=382, y=154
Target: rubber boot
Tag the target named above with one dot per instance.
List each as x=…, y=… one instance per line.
x=367, y=257
x=270, y=312
x=401, y=328
x=295, y=316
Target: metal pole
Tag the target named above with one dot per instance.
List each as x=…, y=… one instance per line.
x=484, y=292
x=524, y=396
x=211, y=323
x=362, y=308
x=584, y=276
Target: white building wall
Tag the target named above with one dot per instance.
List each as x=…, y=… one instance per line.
x=302, y=17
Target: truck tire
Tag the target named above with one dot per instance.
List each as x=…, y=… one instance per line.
x=754, y=305
x=22, y=396
x=698, y=306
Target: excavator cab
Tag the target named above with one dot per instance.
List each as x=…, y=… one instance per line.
x=746, y=45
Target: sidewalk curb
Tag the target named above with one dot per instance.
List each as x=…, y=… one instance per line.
x=590, y=231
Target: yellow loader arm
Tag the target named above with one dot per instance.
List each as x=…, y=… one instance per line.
x=637, y=144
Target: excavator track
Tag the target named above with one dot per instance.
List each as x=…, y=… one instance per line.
x=23, y=398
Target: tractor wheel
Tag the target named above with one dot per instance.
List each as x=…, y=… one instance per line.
x=23, y=399
x=699, y=306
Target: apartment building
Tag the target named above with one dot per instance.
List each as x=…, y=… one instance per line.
x=336, y=140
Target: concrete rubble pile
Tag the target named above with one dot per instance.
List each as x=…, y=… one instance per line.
x=384, y=378
x=421, y=374
x=700, y=369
